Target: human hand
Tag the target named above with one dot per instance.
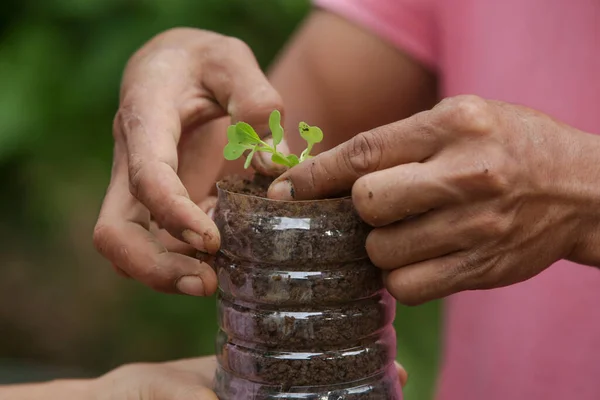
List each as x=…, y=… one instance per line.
x=176, y=380
x=496, y=193
x=189, y=379
x=165, y=159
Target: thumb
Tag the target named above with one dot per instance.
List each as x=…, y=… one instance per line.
x=333, y=172
x=330, y=173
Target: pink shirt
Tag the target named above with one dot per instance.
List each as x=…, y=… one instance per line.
x=539, y=339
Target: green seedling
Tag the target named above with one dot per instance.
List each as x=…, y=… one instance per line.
x=241, y=137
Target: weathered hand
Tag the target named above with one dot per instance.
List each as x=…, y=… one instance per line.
x=166, y=161
x=495, y=194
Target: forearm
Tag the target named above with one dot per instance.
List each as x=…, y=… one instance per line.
x=59, y=389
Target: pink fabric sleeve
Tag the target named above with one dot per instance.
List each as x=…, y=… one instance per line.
x=407, y=24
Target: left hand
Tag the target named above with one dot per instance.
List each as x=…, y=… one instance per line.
x=498, y=193
x=189, y=379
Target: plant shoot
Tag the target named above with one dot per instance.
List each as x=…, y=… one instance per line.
x=241, y=137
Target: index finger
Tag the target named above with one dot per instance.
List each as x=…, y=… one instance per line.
x=333, y=172
x=121, y=235
x=153, y=114
x=150, y=139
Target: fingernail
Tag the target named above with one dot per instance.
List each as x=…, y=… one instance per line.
x=193, y=238
x=282, y=190
x=211, y=213
x=191, y=285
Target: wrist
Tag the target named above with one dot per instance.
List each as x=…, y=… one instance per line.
x=580, y=182
x=58, y=389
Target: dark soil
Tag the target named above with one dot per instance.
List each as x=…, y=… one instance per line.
x=274, y=233
x=300, y=303
x=309, y=369
x=266, y=284
x=382, y=386
x=308, y=328
x=257, y=186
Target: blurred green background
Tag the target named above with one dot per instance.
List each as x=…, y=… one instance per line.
x=60, y=303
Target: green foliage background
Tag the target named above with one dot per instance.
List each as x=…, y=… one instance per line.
x=60, y=303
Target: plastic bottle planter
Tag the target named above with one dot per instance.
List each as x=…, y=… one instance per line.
x=302, y=312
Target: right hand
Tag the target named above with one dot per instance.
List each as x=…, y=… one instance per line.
x=149, y=225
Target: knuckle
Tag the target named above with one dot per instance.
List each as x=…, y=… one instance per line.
x=221, y=49
x=469, y=113
x=363, y=153
x=127, y=119
x=465, y=266
x=473, y=272
x=236, y=45
x=148, y=181
x=136, y=175
x=152, y=276
x=104, y=242
x=256, y=107
x=492, y=174
x=158, y=274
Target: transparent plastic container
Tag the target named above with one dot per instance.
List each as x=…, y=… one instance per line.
x=303, y=314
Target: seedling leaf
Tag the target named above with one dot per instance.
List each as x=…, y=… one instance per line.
x=279, y=159
x=232, y=135
x=242, y=137
x=246, y=133
x=293, y=160
x=302, y=128
x=233, y=151
x=311, y=134
x=275, y=127
x=249, y=158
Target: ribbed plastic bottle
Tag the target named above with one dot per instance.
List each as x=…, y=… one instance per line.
x=303, y=314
